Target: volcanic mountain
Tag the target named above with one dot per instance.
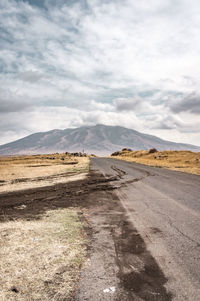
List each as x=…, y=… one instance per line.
x=99, y=139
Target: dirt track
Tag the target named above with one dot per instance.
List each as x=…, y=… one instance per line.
x=117, y=254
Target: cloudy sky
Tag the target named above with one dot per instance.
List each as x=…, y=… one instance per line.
x=68, y=63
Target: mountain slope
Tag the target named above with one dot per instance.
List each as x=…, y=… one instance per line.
x=99, y=139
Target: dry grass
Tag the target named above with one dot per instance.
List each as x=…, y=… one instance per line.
x=185, y=161
x=24, y=172
x=41, y=260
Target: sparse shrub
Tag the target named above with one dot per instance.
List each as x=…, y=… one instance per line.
x=115, y=154
x=153, y=150
x=126, y=150
x=78, y=154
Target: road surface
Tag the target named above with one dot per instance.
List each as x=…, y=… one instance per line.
x=164, y=206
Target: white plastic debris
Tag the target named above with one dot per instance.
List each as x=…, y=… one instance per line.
x=109, y=290
x=20, y=207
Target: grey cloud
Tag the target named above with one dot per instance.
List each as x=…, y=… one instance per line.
x=31, y=76
x=190, y=103
x=39, y=3
x=171, y=122
x=10, y=103
x=168, y=123
x=6, y=107
x=126, y=104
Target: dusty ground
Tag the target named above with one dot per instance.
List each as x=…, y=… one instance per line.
x=119, y=266
x=24, y=172
x=185, y=161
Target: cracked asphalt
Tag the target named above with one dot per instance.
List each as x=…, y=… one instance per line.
x=164, y=207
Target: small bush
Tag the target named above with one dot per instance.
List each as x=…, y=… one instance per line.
x=126, y=149
x=115, y=154
x=153, y=150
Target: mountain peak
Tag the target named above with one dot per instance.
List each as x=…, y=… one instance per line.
x=99, y=139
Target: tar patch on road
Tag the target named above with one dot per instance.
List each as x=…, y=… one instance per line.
x=140, y=275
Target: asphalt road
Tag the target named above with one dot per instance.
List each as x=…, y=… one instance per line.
x=164, y=206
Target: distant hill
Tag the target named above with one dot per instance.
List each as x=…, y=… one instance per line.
x=99, y=139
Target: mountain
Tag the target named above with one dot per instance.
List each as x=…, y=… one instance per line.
x=99, y=139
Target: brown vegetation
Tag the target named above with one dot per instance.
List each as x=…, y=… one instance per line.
x=185, y=161
x=41, y=259
x=23, y=172
x=41, y=256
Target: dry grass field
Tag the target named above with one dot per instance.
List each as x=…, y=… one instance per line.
x=23, y=172
x=41, y=257
x=185, y=161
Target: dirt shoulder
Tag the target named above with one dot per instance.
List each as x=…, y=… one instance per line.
x=185, y=161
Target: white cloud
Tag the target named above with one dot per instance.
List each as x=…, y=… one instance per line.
x=131, y=63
